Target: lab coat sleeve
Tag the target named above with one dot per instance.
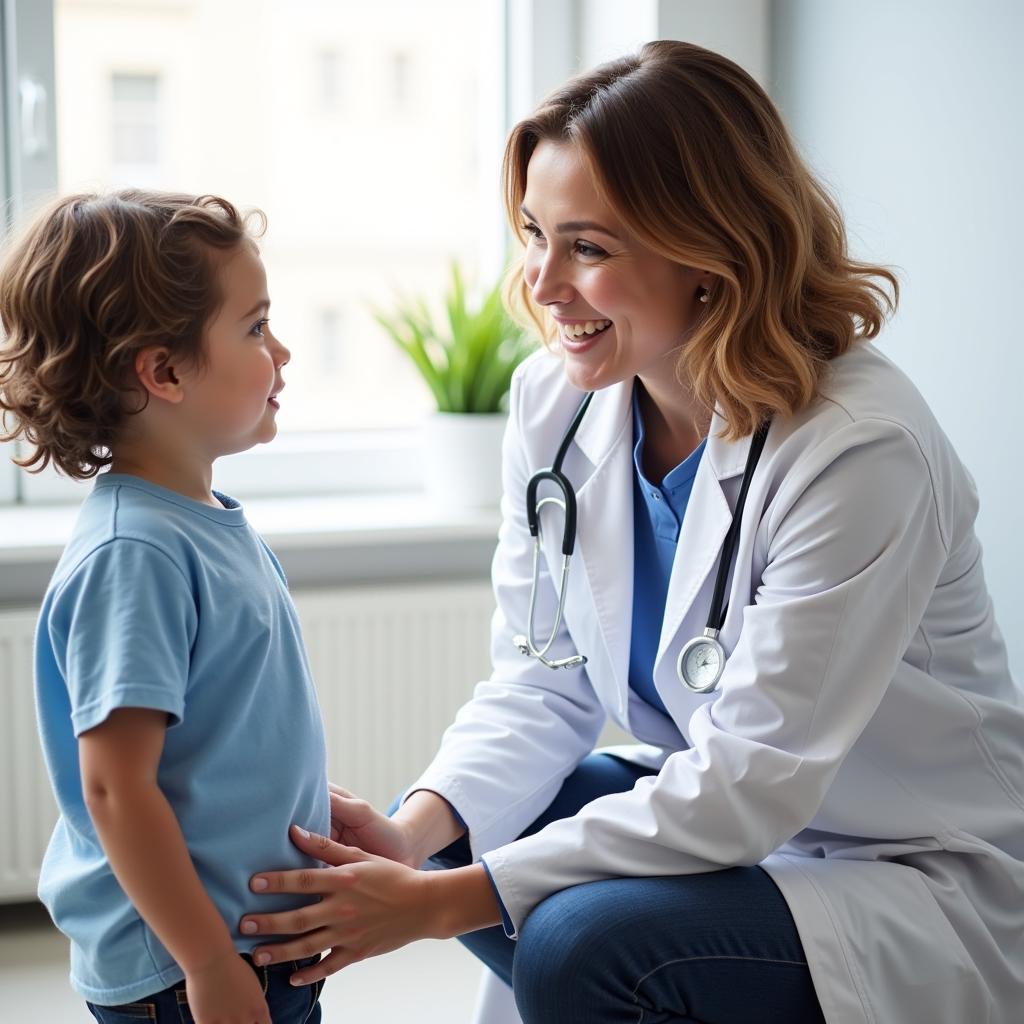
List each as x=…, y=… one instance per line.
x=854, y=548
x=504, y=758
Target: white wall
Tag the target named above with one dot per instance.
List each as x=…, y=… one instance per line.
x=736, y=28
x=911, y=111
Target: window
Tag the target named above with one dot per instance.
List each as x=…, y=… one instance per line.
x=362, y=203
x=136, y=127
x=330, y=341
x=329, y=85
x=302, y=108
x=400, y=74
x=8, y=475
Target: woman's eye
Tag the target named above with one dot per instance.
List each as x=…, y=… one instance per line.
x=532, y=230
x=257, y=328
x=589, y=251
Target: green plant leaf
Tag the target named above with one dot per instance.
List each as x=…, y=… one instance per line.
x=469, y=365
x=408, y=333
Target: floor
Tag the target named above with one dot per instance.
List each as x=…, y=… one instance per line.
x=425, y=983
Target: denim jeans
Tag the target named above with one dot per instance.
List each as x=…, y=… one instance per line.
x=714, y=948
x=288, y=1004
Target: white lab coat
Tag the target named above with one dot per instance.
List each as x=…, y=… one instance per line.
x=866, y=745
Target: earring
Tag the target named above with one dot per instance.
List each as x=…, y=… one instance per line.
x=704, y=295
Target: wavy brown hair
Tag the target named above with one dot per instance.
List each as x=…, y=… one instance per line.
x=693, y=157
x=93, y=281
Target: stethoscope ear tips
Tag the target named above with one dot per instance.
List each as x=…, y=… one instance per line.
x=522, y=643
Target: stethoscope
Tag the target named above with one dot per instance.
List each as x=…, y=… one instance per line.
x=702, y=659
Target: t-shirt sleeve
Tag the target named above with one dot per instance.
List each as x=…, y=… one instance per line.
x=121, y=627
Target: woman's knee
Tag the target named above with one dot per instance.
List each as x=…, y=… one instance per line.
x=564, y=961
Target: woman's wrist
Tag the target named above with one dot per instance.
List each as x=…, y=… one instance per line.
x=461, y=900
x=428, y=823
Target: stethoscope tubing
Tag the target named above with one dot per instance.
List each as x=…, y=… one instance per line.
x=719, y=607
x=718, y=611
x=557, y=477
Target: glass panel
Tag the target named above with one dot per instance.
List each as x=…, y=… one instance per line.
x=8, y=479
x=354, y=126
x=135, y=116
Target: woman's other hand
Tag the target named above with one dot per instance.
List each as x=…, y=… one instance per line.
x=355, y=822
x=424, y=824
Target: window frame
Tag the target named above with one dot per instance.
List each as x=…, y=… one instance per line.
x=26, y=55
x=531, y=44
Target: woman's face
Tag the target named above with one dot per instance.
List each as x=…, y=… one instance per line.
x=621, y=309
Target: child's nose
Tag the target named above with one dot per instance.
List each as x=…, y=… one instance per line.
x=282, y=354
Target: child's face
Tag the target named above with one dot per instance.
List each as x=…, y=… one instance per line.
x=230, y=402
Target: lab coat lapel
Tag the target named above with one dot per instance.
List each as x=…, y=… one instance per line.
x=605, y=523
x=707, y=520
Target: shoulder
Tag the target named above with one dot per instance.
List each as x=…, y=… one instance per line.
x=121, y=532
x=862, y=393
x=865, y=384
x=870, y=416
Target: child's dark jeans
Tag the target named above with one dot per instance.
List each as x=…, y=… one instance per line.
x=288, y=1004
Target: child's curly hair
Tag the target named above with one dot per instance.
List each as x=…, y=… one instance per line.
x=93, y=281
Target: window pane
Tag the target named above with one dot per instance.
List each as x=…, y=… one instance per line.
x=136, y=125
x=8, y=484
x=355, y=128
x=330, y=87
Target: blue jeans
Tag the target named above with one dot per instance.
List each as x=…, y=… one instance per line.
x=288, y=1004
x=715, y=948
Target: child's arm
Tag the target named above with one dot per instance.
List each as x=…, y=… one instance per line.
x=143, y=842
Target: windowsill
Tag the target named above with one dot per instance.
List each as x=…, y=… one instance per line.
x=320, y=540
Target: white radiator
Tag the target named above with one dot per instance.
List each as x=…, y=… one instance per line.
x=27, y=809
x=392, y=665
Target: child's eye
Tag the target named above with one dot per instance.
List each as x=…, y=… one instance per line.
x=257, y=328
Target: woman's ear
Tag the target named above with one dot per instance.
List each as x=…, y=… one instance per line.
x=157, y=374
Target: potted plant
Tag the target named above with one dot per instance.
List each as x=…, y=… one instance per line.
x=467, y=362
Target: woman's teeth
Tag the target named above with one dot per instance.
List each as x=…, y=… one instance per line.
x=590, y=327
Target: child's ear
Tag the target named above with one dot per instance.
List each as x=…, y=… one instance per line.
x=157, y=374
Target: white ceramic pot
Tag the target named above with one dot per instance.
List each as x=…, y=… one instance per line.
x=462, y=459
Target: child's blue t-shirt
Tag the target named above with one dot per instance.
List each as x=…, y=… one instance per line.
x=166, y=603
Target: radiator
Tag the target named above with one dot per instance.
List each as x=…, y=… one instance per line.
x=392, y=665
x=27, y=809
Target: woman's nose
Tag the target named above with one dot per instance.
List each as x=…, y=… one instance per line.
x=548, y=283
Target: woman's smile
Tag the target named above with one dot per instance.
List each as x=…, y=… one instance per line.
x=578, y=336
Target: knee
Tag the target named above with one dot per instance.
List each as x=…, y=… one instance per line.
x=562, y=961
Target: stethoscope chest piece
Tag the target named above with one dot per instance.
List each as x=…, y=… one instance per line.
x=701, y=662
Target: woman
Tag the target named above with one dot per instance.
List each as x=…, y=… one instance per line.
x=833, y=829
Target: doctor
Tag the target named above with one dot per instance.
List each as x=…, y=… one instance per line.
x=835, y=830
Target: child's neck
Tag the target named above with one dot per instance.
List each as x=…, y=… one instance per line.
x=189, y=477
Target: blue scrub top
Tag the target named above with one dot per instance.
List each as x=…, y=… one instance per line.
x=658, y=511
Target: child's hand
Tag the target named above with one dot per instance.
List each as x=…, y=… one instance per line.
x=226, y=991
x=354, y=822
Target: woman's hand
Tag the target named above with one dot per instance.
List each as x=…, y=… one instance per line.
x=368, y=905
x=226, y=991
x=355, y=822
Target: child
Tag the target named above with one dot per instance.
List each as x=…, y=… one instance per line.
x=177, y=712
